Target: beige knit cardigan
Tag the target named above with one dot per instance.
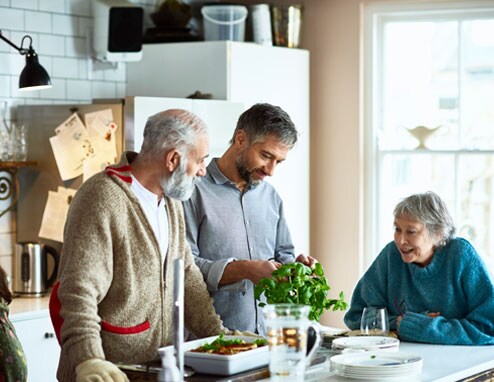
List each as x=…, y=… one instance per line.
x=115, y=302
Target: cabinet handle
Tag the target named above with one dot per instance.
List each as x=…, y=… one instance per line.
x=49, y=335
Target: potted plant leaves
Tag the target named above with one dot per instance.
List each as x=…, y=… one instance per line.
x=296, y=283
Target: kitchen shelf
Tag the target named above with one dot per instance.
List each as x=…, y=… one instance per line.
x=9, y=187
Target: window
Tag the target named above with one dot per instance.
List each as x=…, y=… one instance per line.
x=429, y=107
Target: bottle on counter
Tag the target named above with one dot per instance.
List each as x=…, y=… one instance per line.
x=170, y=372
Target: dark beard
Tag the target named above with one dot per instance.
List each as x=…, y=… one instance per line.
x=246, y=175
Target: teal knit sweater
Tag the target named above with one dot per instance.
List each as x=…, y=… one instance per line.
x=456, y=284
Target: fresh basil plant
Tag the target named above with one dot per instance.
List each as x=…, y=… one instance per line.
x=297, y=283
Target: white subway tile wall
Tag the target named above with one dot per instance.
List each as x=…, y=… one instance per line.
x=59, y=30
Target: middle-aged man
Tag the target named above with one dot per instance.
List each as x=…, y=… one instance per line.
x=124, y=230
x=235, y=222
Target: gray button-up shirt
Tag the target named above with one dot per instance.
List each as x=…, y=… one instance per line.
x=225, y=224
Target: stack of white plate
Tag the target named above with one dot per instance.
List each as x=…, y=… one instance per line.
x=365, y=343
x=376, y=366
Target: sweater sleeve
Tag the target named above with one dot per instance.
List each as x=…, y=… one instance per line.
x=86, y=272
x=370, y=291
x=201, y=316
x=476, y=325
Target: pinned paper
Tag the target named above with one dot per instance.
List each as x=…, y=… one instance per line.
x=101, y=129
x=71, y=146
x=102, y=122
x=55, y=213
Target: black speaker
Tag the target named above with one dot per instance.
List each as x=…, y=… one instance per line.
x=118, y=30
x=125, y=30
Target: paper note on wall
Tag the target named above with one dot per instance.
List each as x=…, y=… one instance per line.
x=101, y=130
x=71, y=146
x=55, y=214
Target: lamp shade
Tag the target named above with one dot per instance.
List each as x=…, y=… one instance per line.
x=33, y=76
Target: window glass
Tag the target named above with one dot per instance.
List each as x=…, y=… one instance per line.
x=433, y=119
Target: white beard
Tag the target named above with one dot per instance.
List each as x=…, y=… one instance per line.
x=179, y=185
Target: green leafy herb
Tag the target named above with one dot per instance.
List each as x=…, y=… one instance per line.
x=229, y=347
x=220, y=341
x=297, y=283
x=260, y=342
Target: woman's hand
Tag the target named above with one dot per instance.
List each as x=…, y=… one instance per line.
x=398, y=320
x=433, y=314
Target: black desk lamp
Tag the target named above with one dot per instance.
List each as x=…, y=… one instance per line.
x=33, y=76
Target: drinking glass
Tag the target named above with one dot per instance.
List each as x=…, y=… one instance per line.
x=374, y=321
x=287, y=329
x=19, y=141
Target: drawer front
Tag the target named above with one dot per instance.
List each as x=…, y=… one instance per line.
x=40, y=346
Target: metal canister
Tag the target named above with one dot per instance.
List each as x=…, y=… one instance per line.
x=287, y=24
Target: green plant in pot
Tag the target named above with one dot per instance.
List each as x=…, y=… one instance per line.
x=296, y=283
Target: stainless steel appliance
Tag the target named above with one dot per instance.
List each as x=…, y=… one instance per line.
x=31, y=268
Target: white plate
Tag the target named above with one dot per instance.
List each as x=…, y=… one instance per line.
x=366, y=343
x=223, y=364
x=376, y=359
x=376, y=365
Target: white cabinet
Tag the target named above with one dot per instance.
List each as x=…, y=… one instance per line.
x=241, y=72
x=37, y=337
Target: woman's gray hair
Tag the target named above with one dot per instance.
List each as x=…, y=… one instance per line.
x=429, y=209
x=264, y=119
x=171, y=129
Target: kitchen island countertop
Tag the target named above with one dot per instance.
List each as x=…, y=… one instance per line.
x=28, y=307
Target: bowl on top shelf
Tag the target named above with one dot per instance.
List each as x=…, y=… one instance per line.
x=170, y=19
x=172, y=14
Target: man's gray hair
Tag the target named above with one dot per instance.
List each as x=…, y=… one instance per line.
x=171, y=129
x=264, y=119
x=429, y=209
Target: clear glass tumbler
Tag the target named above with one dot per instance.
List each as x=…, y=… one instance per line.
x=374, y=321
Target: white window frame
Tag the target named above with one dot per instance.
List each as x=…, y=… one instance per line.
x=373, y=17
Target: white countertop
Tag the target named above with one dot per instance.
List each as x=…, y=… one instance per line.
x=441, y=363
x=28, y=307
x=450, y=363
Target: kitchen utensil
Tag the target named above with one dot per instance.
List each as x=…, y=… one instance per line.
x=31, y=277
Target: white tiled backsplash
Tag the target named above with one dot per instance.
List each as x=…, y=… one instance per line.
x=58, y=29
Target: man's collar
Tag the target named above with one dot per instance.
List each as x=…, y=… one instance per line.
x=216, y=174
x=219, y=178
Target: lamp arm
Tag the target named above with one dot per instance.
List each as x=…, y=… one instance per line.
x=20, y=49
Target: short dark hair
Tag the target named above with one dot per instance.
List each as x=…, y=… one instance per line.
x=429, y=209
x=264, y=119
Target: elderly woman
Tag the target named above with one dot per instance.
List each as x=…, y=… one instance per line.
x=435, y=286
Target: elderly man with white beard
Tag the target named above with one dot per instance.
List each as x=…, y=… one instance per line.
x=125, y=228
